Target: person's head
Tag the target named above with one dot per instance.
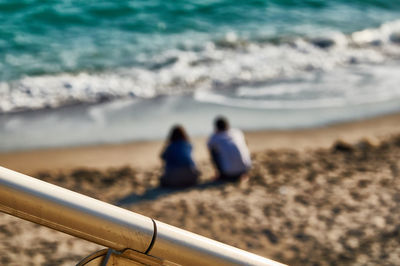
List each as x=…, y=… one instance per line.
x=221, y=124
x=177, y=133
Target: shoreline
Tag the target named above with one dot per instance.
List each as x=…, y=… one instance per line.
x=145, y=154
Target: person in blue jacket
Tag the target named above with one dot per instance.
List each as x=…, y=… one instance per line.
x=179, y=167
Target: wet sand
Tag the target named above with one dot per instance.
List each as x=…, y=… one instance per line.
x=326, y=196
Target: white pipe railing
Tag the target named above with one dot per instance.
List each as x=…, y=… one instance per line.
x=105, y=224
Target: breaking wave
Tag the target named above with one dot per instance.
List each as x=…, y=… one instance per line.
x=333, y=69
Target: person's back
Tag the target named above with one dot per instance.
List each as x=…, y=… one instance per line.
x=229, y=151
x=180, y=169
x=178, y=154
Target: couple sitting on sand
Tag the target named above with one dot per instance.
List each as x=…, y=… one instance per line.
x=228, y=149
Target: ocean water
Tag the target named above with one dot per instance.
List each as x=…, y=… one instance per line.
x=75, y=73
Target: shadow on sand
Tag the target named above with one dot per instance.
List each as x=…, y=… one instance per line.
x=157, y=192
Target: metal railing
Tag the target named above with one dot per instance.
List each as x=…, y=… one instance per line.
x=118, y=229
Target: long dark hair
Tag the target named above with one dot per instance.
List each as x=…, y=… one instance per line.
x=177, y=133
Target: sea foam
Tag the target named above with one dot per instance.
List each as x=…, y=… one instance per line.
x=295, y=71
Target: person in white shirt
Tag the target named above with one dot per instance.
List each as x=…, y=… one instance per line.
x=229, y=151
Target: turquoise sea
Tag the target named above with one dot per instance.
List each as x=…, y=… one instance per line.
x=85, y=72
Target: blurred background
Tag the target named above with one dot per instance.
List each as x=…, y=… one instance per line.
x=76, y=73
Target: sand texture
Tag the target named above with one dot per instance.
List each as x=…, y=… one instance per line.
x=331, y=204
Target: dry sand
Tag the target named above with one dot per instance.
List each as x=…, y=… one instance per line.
x=309, y=199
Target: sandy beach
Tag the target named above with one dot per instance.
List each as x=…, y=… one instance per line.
x=89, y=92
x=322, y=196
